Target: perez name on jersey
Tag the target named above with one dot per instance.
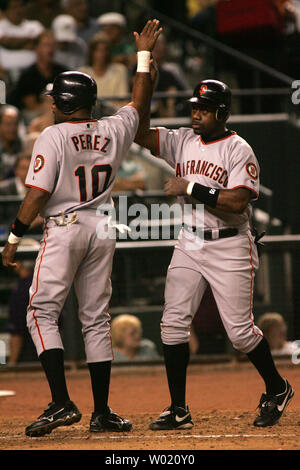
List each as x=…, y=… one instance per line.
x=90, y=142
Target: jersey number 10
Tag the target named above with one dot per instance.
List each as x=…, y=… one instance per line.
x=82, y=180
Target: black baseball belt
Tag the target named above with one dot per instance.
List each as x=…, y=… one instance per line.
x=213, y=234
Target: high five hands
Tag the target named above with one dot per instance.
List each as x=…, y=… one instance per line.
x=145, y=41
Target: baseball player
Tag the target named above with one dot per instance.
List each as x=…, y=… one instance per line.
x=216, y=168
x=71, y=174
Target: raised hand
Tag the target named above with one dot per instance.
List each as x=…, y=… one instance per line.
x=145, y=41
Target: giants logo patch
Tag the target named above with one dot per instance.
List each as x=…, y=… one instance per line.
x=38, y=163
x=203, y=89
x=252, y=170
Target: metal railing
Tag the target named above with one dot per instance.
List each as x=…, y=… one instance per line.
x=138, y=261
x=186, y=32
x=189, y=32
x=238, y=94
x=188, y=93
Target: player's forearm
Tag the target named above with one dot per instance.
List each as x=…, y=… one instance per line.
x=233, y=201
x=143, y=131
x=143, y=135
x=33, y=203
x=227, y=200
x=141, y=97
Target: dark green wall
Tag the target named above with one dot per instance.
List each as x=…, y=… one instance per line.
x=276, y=145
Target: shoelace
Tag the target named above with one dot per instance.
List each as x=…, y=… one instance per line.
x=167, y=408
x=114, y=415
x=267, y=403
x=50, y=405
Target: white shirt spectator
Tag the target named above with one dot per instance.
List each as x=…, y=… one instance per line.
x=72, y=50
x=288, y=349
x=12, y=59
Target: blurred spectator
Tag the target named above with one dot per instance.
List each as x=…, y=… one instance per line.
x=111, y=78
x=127, y=341
x=97, y=7
x=291, y=16
x=18, y=303
x=274, y=329
x=202, y=15
x=10, y=142
x=28, y=143
x=35, y=78
x=160, y=56
x=87, y=27
x=15, y=186
x=71, y=50
x=295, y=7
x=17, y=37
x=170, y=79
x=43, y=11
x=114, y=26
x=176, y=10
x=45, y=118
x=292, y=38
x=130, y=176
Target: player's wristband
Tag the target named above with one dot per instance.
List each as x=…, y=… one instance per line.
x=12, y=239
x=143, y=61
x=18, y=228
x=189, y=188
x=208, y=196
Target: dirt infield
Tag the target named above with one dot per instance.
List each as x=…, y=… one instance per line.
x=222, y=401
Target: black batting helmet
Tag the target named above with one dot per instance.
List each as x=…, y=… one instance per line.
x=73, y=91
x=216, y=93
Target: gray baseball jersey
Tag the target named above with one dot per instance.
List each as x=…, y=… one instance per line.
x=76, y=162
x=226, y=163
x=227, y=264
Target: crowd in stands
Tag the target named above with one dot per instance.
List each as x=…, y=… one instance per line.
x=41, y=38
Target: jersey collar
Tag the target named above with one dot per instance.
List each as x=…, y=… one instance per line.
x=223, y=136
x=76, y=120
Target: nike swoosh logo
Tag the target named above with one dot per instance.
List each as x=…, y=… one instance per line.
x=178, y=419
x=51, y=418
x=281, y=407
x=115, y=423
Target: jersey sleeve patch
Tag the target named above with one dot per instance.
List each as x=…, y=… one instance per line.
x=38, y=163
x=252, y=171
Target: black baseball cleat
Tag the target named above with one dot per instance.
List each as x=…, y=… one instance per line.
x=109, y=422
x=272, y=407
x=54, y=416
x=173, y=418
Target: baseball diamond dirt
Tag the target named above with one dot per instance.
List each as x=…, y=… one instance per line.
x=222, y=398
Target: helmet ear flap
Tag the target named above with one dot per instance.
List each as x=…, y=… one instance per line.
x=222, y=114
